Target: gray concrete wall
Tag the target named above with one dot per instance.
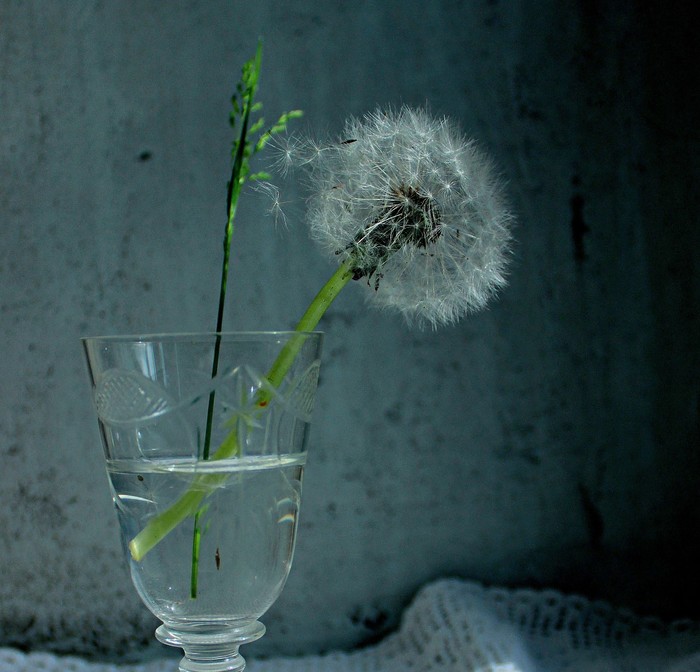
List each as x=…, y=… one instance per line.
x=549, y=441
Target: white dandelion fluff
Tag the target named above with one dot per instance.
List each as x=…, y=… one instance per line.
x=414, y=208
x=271, y=193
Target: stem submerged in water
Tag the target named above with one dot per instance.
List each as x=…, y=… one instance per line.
x=164, y=523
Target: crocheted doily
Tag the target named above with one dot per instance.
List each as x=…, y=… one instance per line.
x=458, y=626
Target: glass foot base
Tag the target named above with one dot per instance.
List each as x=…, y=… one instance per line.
x=210, y=649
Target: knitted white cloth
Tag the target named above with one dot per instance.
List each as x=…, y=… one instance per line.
x=457, y=626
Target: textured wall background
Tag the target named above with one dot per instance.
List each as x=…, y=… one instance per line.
x=550, y=441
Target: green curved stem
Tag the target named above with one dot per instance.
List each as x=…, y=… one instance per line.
x=308, y=322
x=204, y=484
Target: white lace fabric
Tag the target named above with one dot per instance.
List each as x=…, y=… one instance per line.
x=458, y=626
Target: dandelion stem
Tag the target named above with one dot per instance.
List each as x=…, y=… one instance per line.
x=325, y=297
x=161, y=525
x=309, y=320
x=189, y=504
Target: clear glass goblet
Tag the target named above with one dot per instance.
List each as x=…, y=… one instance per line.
x=205, y=440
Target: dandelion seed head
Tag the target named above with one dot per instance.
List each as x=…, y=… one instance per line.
x=417, y=208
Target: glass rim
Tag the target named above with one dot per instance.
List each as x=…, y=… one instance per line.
x=199, y=335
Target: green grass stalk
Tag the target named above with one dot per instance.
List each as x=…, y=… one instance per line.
x=238, y=176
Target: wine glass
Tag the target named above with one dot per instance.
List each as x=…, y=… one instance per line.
x=205, y=440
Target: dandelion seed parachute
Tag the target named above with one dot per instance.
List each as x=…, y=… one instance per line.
x=418, y=209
